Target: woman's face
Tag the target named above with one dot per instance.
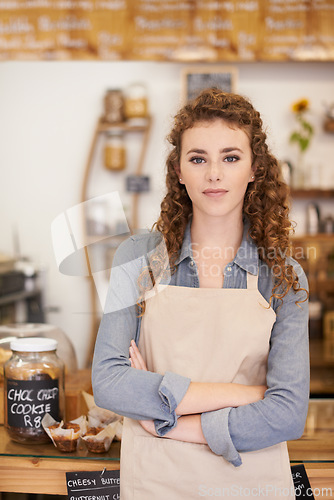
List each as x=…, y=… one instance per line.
x=216, y=167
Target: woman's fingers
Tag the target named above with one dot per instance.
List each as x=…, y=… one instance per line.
x=136, y=358
x=148, y=425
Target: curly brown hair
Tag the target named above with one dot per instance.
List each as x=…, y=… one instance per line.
x=266, y=202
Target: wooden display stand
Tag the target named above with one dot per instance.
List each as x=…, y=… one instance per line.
x=103, y=127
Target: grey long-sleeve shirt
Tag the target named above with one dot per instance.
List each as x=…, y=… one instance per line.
x=280, y=416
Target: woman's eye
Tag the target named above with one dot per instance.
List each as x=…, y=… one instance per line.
x=197, y=160
x=231, y=159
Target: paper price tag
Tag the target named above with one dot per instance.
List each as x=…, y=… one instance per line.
x=93, y=485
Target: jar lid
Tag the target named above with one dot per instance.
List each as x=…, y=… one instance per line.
x=136, y=91
x=34, y=344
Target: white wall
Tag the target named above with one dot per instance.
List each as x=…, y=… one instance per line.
x=48, y=111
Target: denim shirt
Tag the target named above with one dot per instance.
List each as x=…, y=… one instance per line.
x=138, y=394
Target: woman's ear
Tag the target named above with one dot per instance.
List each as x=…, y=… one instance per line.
x=252, y=176
x=178, y=172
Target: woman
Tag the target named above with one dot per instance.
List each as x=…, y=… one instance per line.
x=221, y=378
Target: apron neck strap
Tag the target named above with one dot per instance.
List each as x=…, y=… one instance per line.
x=252, y=281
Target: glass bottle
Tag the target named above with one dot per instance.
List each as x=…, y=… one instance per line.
x=34, y=386
x=114, y=151
x=114, y=106
x=312, y=219
x=286, y=170
x=136, y=104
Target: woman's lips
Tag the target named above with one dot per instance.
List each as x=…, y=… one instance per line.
x=214, y=193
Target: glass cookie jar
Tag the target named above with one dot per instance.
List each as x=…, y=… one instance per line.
x=136, y=103
x=114, y=151
x=34, y=386
x=114, y=106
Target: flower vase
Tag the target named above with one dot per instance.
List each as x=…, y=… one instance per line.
x=300, y=174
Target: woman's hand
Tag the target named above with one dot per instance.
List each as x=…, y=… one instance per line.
x=188, y=429
x=200, y=397
x=136, y=358
x=138, y=362
x=148, y=425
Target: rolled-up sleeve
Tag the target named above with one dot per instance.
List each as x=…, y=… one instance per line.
x=171, y=391
x=216, y=432
x=281, y=415
x=116, y=385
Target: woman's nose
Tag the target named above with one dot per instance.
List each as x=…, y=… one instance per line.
x=214, y=172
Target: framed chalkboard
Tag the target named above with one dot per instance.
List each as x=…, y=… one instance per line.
x=198, y=78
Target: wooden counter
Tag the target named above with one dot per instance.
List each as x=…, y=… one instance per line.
x=41, y=468
x=316, y=447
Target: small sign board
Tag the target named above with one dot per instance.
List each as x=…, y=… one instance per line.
x=137, y=183
x=29, y=400
x=93, y=485
x=198, y=78
x=301, y=482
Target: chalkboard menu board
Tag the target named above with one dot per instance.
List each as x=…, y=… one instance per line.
x=93, y=485
x=301, y=482
x=167, y=30
x=196, y=79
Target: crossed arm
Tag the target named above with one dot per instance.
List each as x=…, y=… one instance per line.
x=200, y=397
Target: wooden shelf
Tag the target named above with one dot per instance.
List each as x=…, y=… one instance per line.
x=306, y=194
x=128, y=126
x=319, y=237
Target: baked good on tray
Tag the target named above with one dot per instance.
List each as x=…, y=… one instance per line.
x=65, y=435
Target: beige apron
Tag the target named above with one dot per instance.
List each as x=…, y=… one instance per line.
x=209, y=335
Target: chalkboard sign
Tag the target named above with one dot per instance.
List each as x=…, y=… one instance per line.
x=301, y=483
x=102, y=485
x=29, y=400
x=137, y=183
x=202, y=77
x=196, y=30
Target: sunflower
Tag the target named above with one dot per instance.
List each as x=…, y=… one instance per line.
x=304, y=131
x=300, y=106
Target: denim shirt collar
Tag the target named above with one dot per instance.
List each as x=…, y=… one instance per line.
x=247, y=257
